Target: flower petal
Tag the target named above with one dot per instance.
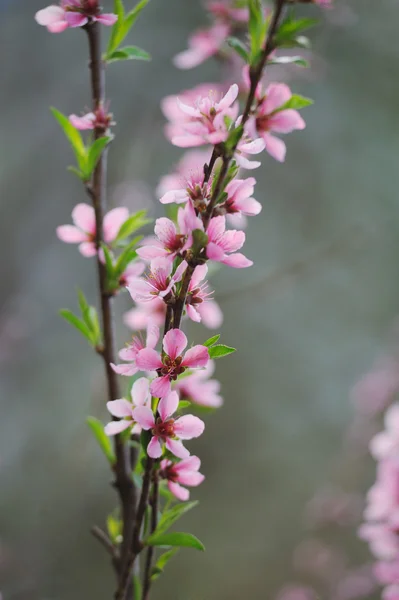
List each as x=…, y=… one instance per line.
x=286, y=121
x=160, y=387
x=113, y=221
x=174, y=343
x=188, y=427
x=192, y=478
x=168, y=405
x=154, y=448
x=107, y=19
x=83, y=216
x=275, y=147
x=88, y=249
x=115, y=427
x=120, y=408
x=180, y=492
x=197, y=356
x=144, y=417
x=238, y=261
x=75, y=19
x=277, y=94
x=176, y=447
x=128, y=370
x=141, y=391
x=70, y=234
x=148, y=359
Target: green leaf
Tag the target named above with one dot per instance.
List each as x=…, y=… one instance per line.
x=296, y=102
x=234, y=137
x=114, y=528
x=128, y=53
x=103, y=440
x=183, y=404
x=239, y=47
x=95, y=326
x=74, y=138
x=128, y=255
x=123, y=24
x=119, y=10
x=200, y=240
x=161, y=563
x=289, y=32
x=94, y=153
x=288, y=60
x=170, y=516
x=180, y=540
x=77, y=323
x=132, y=224
x=109, y=264
x=84, y=307
x=212, y=340
x=255, y=26
x=220, y=350
x=137, y=587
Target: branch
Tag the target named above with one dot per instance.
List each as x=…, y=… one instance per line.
x=150, y=551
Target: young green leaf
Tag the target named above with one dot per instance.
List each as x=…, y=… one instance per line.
x=180, y=540
x=77, y=323
x=123, y=24
x=132, y=224
x=161, y=563
x=103, y=440
x=212, y=340
x=128, y=53
x=255, y=26
x=127, y=256
x=296, y=102
x=289, y=32
x=137, y=588
x=114, y=528
x=74, y=138
x=94, y=153
x=288, y=60
x=170, y=516
x=239, y=47
x=220, y=350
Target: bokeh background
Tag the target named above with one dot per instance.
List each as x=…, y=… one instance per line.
x=309, y=318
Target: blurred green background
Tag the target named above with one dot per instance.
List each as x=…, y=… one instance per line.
x=308, y=318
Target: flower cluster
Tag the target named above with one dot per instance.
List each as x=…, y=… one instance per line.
x=380, y=528
x=73, y=13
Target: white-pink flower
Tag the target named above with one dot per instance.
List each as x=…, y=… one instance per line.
x=123, y=410
x=192, y=162
x=271, y=117
x=166, y=430
x=193, y=189
x=223, y=245
x=100, y=119
x=246, y=147
x=199, y=388
x=204, y=121
x=158, y=283
x=203, y=44
x=172, y=362
x=239, y=197
x=73, y=13
x=129, y=354
x=83, y=232
x=185, y=472
x=200, y=306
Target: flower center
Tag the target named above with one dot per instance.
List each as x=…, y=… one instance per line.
x=171, y=368
x=262, y=123
x=164, y=429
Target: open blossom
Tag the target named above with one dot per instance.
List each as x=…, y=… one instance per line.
x=100, y=119
x=199, y=304
x=227, y=10
x=192, y=161
x=165, y=429
x=158, y=283
x=199, y=389
x=185, y=472
x=203, y=44
x=222, y=245
x=193, y=189
x=145, y=313
x=83, y=232
x=123, y=409
x=246, y=147
x=207, y=120
x=239, y=197
x=171, y=242
x=172, y=362
x=73, y=13
x=129, y=354
x=271, y=118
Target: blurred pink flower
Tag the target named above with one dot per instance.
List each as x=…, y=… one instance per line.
x=296, y=592
x=158, y=283
x=199, y=304
x=73, y=13
x=165, y=429
x=83, y=232
x=123, y=409
x=129, y=353
x=100, y=119
x=227, y=10
x=145, y=313
x=199, y=389
x=192, y=161
x=185, y=472
x=203, y=44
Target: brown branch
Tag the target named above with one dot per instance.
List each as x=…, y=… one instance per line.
x=122, y=468
x=102, y=537
x=150, y=551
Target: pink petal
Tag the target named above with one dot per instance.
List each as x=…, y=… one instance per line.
x=275, y=147
x=57, y=27
x=126, y=370
x=88, y=249
x=232, y=240
x=192, y=313
x=83, y=123
x=277, y=94
x=180, y=492
x=113, y=221
x=249, y=206
x=188, y=427
x=211, y=314
x=83, y=216
x=120, y=408
x=154, y=448
x=160, y=387
x=176, y=447
x=174, y=343
x=179, y=272
x=140, y=290
x=107, y=19
x=216, y=228
x=141, y=391
x=165, y=230
x=148, y=359
x=191, y=478
x=176, y=196
x=286, y=121
x=144, y=417
x=49, y=15
x=151, y=252
x=192, y=463
x=197, y=356
x=115, y=427
x=70, y=234
x=189, y=59
x=237, y=261
x=199, y=275
x=229, y=98
x=168, y=405
x=75, y=19
x=214, y=252
x=152, y=336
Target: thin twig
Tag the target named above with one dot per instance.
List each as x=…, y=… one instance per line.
x=102, y=537
x=150, y=551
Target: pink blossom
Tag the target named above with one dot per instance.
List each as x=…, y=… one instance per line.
x=203, y=44
x=73, y=13
x=225, y=10
x=386, y=443
x=185, y=472
x=123, y=409
x=246, y=147
x=131, y=273
x=172, y=362
x=375, y=391
x=271, y=117
x=165, y=429
x=159, y=283
x=296, y=592
x=145, y=313
x=191, y=161
x=391, y=592
x=200, y=389
x=171, y=242
x=129, y=354
x=199, y=301
x=171, y=109
x=206, y=122
x=239, y=197
x=100, y=119
x=83, y=232
x=222, y=245
x=195, y=190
